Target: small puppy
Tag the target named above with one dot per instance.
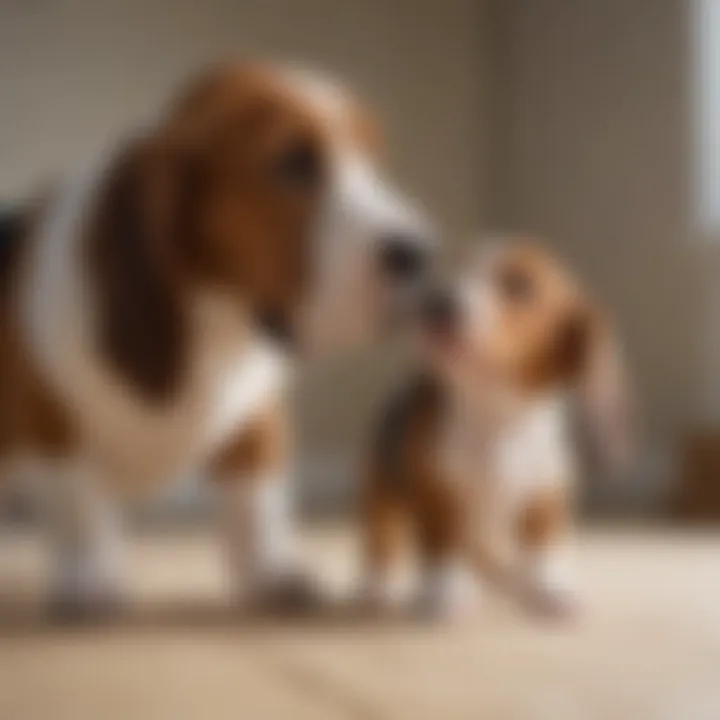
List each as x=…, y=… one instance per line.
x=476, y=451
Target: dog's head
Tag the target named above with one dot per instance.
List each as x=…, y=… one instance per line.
x=518, y=325
x=263, y=184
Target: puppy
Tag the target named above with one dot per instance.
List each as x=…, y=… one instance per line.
x=153, y=307
x=475, y=454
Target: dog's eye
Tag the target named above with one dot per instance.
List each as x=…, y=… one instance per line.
x=299, y=167
x=515, y=284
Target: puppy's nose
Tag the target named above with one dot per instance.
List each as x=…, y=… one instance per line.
x=404, y=257
x=439, y=310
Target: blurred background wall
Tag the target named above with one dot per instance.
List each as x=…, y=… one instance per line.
x=572, y=119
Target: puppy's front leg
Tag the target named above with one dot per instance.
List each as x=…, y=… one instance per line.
x=86, y=539
x=548, y=573
x=384, y=523
x=252, y=473
x=448, y=587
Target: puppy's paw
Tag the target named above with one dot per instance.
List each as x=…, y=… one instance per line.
x=552, y=603
x=449, y=594
x=379, y=595
x=549, y=584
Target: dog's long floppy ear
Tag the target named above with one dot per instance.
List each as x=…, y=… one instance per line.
x=134, y=247
x=606, y=403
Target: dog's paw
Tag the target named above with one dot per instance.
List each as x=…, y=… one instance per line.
x=291, y=592
x=79, y=605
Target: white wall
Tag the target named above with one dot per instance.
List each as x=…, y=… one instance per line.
x=593, y=136
x=77, y=72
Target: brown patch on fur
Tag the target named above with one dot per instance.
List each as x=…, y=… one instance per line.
x=135, y=270
x=548, y=335
x=545, y=324
x=30, y=416
x=385, y=520
x=407, y=488
x=223, y=195
x=441, y=519
x=261, y=447
x=406, y=482
x=558, y=337
x=544, y=518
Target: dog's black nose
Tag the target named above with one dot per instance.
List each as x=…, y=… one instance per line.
x=404, y=257
x=439, y=310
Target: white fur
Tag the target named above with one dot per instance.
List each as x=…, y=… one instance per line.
x=534, y=451
x=383, y=587
x=521, y=453
x=358, y=214
x=231, y=373
x=361, y=210
x=551, y=572
x=255, y=523
x=85, y=534
x=132, y=444
x=502, y=464
x=448, y=589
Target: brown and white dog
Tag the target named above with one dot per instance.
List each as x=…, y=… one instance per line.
x=135, y=304
x=476, y=452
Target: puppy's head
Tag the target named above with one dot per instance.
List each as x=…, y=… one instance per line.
x=517, y=322
x=263, y=185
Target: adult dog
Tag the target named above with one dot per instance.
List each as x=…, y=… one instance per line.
x=136, y=304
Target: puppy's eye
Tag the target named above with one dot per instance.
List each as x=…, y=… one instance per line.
x=515, y=284
x=299, y=167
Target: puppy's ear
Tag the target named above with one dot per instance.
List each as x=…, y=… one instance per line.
x=605, y=401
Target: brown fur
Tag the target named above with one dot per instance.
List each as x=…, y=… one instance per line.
x=261, y=447
x=546, y=330
x=545, y=518
x=405, y=485
x=385, y=519
x=30, y=415
x=408, y=496
x=556, y=336
x=141, y=297
x=199, y=202
x=545, y=337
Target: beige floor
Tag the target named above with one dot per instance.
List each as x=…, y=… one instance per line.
x=647, y=645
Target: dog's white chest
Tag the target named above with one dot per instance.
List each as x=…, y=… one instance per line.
x=230, y=379
x=230, y=374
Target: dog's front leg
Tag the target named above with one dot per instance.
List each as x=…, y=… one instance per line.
x=86, y=541
x=252, y=473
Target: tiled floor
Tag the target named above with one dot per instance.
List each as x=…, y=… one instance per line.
x=646, y=647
